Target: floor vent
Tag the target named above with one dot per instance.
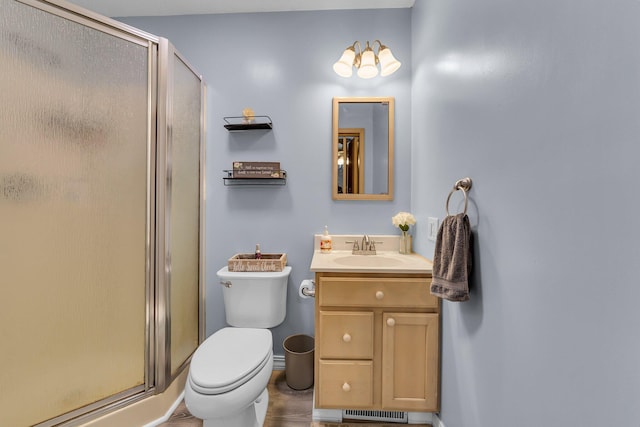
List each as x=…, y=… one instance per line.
x=384, y=416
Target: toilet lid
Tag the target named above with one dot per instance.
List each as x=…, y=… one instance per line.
x=229, y=358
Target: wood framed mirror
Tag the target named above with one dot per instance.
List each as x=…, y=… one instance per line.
x=362, y=154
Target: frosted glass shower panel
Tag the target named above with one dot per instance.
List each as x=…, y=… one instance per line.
x=73, y=203
x=185, y=212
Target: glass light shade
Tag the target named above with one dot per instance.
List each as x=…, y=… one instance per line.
x=368, y=67
x=344, y=66
x=388, y=63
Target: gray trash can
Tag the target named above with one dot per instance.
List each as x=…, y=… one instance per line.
x=298, y=361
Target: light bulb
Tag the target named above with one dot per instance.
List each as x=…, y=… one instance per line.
x=388, y=63
x=344, y=66
x=368, y=67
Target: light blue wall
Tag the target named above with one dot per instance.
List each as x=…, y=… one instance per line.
x=539, y=103
x=280, y=64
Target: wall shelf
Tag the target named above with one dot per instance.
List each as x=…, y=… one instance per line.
x=230, y=180
x=239, y=123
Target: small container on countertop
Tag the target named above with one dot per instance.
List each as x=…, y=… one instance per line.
x=325, y=241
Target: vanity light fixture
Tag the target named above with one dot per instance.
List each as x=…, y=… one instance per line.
x=366, y=61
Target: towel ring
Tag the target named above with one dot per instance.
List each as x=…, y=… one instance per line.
x=463, y=184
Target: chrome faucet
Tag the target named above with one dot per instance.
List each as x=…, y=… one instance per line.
x=367, y=247
x=366, y=244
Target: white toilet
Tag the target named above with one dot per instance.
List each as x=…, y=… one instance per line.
x=229, y=372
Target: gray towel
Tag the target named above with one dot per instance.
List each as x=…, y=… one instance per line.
x=452, y=259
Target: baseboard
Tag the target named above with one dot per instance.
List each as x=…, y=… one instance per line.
x=168, y=414
x=437, y=422
x=326, y=415
x=420, y=418
x=278, y=362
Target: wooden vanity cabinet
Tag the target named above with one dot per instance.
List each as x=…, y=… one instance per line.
x=377, y=342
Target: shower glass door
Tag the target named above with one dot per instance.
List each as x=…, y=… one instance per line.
x=184, y=147
x=76, y=187
x=180, y=213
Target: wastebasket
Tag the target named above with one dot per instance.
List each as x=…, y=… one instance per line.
x=298, y=361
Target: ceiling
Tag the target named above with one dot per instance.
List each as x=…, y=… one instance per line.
x=123, y=8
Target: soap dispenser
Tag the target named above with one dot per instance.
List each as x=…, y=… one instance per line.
x=325, y=241
x=258, y=253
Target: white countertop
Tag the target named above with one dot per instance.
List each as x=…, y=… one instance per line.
x=386, y=260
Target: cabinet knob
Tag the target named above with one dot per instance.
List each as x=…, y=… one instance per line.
x=379, y=295
x=391, y=321
x=346, y=338
x=346, y=387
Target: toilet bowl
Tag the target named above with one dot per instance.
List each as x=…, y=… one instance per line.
x=230, y=370
x=228, y=377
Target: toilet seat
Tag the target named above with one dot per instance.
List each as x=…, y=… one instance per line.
x=229, y=358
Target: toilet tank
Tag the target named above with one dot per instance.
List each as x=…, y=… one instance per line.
x=254, y=299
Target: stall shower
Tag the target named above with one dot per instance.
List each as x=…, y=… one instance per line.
x=101, y=213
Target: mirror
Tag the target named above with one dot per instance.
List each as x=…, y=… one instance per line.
x=362, y=155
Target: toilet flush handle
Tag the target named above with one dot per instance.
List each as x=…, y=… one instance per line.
x=226, y=283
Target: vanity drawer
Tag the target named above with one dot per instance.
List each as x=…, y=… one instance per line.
x=344, y=384
x=345, y=335
x=376, y=292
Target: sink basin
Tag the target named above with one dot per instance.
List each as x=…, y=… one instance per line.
x=368, y=261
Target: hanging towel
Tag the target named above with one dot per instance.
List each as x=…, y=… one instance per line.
x=452, y=259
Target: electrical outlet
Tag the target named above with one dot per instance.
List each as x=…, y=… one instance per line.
x=432, y=229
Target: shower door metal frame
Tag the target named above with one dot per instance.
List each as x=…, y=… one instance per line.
x=157, y=376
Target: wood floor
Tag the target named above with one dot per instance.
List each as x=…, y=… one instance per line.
x=287, y=408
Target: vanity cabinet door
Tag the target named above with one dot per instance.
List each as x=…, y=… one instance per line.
x=410, y=361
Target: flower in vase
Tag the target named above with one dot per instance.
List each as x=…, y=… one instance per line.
x=403, y=220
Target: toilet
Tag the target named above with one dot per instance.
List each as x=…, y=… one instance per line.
x=230, y=370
